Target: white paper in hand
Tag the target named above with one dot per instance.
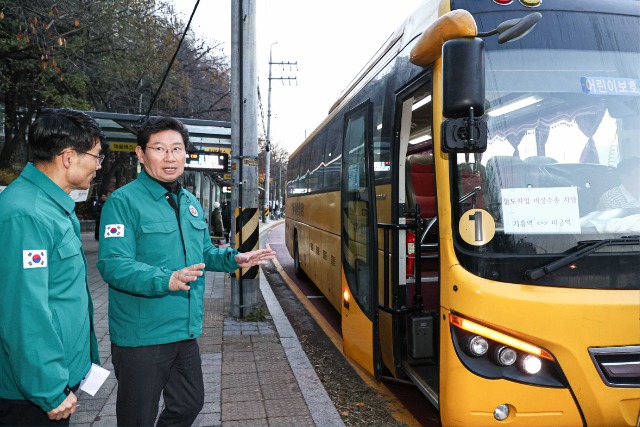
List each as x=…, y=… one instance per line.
x=94, y=379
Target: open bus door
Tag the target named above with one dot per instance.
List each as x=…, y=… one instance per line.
x=359, y=239
x=413, y=297
x=409, y=303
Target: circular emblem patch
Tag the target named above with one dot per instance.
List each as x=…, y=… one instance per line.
x=193, y=210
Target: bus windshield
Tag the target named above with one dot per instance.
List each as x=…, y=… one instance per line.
x=563, y=159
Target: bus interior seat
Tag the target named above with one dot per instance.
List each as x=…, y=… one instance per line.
x=470, y=176
x=421, y=190
x=591, y=180
x=420, y=183
x=540, y=160
x=536, y=174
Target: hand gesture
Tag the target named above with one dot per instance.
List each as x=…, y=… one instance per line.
x=179, y=279
x=249, y=259
x=65, y=409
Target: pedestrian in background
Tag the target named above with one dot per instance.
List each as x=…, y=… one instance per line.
x=97, y=211
x=216, y=220
x=47, y=341
x=152, y=255
x=226, y=220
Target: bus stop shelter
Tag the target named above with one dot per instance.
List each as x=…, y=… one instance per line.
x=207, y=173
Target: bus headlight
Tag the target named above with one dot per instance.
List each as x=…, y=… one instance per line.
x=477, y=346
x=530, y=364
x=494, y=353
x=505, y=356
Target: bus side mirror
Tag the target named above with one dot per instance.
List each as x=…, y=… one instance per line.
x=463, y=102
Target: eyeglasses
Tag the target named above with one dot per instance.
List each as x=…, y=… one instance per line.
x=161, y=151
x=99, y=158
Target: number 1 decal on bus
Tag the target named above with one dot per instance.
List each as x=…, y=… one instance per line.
x=477, y=227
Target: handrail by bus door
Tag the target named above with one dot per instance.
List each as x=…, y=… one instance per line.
x=421, y=228
x=418, y=228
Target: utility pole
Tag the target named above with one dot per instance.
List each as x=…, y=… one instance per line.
x=265, y=212
x=245, y=232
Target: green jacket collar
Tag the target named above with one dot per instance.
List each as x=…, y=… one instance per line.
x=53, y=190
x=154, y=187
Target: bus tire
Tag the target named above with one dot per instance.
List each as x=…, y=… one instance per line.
x=297, y=268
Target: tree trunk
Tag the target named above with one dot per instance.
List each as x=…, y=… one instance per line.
x=16, y=129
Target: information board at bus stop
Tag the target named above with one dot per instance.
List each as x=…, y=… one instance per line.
x=217, y=162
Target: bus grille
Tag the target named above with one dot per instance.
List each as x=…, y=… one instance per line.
x=618, y=366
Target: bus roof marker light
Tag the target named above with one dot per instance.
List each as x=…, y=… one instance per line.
x=531, y=3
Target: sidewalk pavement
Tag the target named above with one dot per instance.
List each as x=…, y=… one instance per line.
x=255, y=373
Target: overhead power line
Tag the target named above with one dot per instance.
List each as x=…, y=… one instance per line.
x=166, y=73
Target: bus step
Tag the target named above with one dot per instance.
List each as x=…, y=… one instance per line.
x=417, y=379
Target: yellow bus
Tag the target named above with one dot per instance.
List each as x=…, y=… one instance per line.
x=470, y=208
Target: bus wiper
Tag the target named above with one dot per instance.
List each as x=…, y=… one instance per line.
x=586, y=247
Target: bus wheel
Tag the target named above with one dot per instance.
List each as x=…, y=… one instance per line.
x=297, y=269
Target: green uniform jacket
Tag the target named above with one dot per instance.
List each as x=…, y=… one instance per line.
x=141, y=244
x=46, y=312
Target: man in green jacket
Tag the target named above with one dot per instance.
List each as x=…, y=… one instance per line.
x=154, y=245
x=47, y=341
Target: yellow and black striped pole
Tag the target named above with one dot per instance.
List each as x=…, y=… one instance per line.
x=247, y=237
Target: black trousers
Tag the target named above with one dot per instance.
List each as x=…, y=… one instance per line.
x=26, y=413
x=174, y=369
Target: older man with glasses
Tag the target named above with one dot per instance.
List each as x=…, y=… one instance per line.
x=47, y=341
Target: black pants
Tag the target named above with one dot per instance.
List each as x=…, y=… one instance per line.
x=26, y=413
x=174, y=369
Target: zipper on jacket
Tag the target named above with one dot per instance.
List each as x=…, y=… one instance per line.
x=176, y=209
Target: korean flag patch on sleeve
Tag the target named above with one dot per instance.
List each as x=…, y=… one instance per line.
x=34, y=258
x=113, y=230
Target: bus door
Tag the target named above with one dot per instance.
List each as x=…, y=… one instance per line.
x=415, y=293
x=359, y=238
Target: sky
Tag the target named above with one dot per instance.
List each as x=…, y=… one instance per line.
x=331, y=41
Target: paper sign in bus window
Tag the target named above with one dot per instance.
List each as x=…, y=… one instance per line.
x=540, y=210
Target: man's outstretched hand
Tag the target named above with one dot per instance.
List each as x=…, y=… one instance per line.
x=249, y=259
